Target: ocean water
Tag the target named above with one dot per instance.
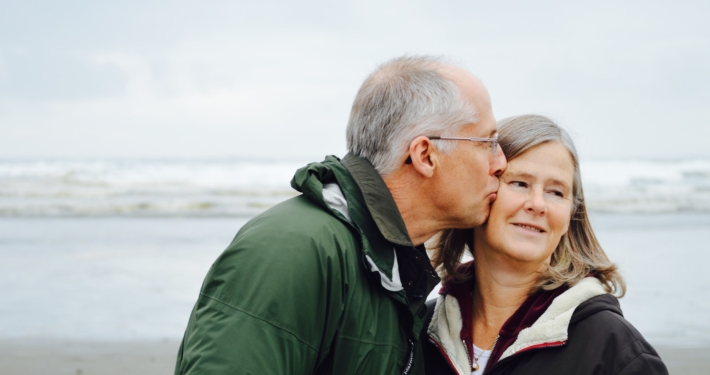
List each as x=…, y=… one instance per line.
x=135, y=278
x=106, y=278
x=117, y=250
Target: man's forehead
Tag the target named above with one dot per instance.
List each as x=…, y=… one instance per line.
x=483, y=128
x=472, y=89
x=468, y=83
x=487, y=124
x=475, y=93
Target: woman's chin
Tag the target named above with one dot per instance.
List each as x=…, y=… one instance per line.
x=530, y=255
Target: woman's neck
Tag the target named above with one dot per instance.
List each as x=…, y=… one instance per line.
x=499, y=291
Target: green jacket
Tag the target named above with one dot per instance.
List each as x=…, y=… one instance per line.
x=307, y=289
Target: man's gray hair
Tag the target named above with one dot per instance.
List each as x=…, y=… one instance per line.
x=402, y=99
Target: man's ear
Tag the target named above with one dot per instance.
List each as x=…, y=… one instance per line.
x=422, y=156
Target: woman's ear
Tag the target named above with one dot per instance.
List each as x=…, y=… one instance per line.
x=422, y=156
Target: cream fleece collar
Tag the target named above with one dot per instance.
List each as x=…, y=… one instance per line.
x=552, y=326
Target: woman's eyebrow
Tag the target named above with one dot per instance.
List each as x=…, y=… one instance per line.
x=529, y=176
x=519, y=174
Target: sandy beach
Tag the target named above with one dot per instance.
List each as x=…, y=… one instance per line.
x=57, y=357
x=62, y=357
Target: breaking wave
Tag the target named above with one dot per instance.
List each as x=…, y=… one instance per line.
x=246, y=188
x=143, y=188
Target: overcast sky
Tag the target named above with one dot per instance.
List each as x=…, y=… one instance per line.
x=275, y=79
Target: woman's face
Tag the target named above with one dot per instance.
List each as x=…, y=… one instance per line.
x=533, y=207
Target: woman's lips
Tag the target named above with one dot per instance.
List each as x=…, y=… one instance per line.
x=529, y=227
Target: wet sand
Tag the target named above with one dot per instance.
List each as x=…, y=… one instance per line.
x=689, y=361
x=56, y=357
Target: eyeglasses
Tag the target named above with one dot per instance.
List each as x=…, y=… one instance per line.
x=493, y=142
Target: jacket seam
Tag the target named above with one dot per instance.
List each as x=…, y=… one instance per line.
x=261, y=319
x=629, y=331
x=632, y=359
x=370, y=342
x=636, y=341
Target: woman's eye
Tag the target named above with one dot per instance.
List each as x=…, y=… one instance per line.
x=518, y=184
x=557, y=193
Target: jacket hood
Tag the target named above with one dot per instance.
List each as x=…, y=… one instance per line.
x=354, y=192
x=359, y=177
x=310, y=179
x=603, y=302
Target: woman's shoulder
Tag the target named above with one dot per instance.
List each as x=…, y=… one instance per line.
x=599, y=323
x=602, y=316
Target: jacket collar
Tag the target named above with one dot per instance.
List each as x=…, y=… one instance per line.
x=542, y=320
x=362, y=200
x=551, y=327
x=378, y=199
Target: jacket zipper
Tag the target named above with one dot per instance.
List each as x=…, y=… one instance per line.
x=410, y=360
x=468, y=355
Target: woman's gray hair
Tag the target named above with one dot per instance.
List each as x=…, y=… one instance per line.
x=518, y=134
x=579, y=253
x=402, y=99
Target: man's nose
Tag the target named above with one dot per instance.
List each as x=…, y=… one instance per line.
x=498, y=163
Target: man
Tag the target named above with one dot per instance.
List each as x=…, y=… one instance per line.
x=334, y=281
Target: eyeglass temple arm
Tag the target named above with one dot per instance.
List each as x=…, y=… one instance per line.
x=466, y=139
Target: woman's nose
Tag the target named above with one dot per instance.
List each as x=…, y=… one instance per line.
x=535, y=204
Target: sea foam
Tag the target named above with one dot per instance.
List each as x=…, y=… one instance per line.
x=246, y=188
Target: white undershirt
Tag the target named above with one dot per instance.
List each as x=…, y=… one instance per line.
x=482, y=361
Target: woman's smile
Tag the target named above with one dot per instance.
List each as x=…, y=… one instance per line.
x=529, y=228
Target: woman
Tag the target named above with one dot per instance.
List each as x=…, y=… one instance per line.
x=537, y=299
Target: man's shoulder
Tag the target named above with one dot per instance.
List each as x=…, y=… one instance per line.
x=293, y=242
x=293, y=230
x=297, y=217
